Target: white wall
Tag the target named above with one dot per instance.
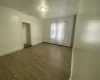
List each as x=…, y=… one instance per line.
x=86, y=51
x=11, y=38
x=67, y=30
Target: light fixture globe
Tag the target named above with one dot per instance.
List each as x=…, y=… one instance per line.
x=43, y=9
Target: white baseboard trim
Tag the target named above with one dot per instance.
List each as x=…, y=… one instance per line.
x=36, y=43
x=11, y=50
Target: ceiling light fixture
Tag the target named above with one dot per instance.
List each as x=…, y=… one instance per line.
x=43, y=9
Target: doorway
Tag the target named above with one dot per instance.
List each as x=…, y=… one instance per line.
x=26, y=35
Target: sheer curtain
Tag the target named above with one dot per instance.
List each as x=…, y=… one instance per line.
x=57, y=32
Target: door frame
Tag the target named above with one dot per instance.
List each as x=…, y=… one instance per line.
x=30, y=41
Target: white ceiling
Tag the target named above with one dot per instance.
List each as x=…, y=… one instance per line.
x=55, y=8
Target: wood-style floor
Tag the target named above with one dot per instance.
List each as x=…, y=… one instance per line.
x=40, y=62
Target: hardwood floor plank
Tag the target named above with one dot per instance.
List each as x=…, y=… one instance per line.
x=41, y=62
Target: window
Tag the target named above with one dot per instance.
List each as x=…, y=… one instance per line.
x=53, y=31
x=57, y=31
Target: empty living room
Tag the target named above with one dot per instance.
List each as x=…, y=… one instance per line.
x=49, y=40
